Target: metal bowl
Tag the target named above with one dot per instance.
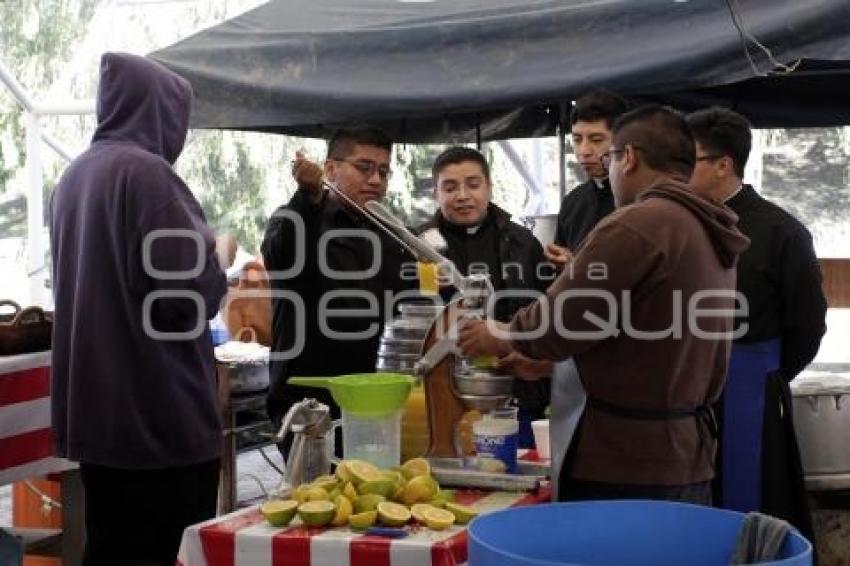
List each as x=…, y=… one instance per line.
x=484, y=402
x=483, y=383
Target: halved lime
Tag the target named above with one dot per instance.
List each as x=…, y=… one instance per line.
x=362, y=471
x=362, y=521
x=344, y=509
x=420, y=489
x=416, y=467
x=316, y=513
x=382, y=487
x=368, y=502
x=463, y=513
x=279, y=513
x=418, y=509
x=393, y=514
x=438, y=519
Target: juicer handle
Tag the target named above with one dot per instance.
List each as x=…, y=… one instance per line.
x=287, y=422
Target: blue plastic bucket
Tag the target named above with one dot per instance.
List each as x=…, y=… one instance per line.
x=615, y=533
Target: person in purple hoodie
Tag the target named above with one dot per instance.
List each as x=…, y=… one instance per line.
x=136, y=275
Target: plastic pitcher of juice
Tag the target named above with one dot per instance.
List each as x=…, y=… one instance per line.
x=414, y=425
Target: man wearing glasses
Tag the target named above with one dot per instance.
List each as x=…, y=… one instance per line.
x=319, y=248
x=647, y=428
x=582, y=208
x=781, y=279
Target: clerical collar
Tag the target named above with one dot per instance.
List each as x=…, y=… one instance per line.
x=733, y=195
x=601, y=184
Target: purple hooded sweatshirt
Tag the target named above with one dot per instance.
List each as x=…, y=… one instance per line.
x=121, y=396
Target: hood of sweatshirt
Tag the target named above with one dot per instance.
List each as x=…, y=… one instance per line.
x=718, y=220
x=142, y=102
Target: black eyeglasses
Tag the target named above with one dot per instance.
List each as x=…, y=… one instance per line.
x=368, y=168
x=605, y=158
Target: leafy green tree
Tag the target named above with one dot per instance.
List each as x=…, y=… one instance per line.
x=36, y=41
x=231, y=191
x=807, y=174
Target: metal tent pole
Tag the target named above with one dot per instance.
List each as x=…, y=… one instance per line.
x=35, y=210
x=562, y=150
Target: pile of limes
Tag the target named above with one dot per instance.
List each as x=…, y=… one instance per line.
x=359, y=495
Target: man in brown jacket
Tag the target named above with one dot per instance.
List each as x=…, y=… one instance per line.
x=646, y=311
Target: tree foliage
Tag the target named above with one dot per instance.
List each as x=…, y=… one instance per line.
x=229, y=187
x=36, y=40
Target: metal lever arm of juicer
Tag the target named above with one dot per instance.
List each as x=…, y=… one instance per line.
x=443, y=347
x=287, y=421
x=418, y=247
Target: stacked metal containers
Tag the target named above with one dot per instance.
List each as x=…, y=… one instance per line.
x=401, y=342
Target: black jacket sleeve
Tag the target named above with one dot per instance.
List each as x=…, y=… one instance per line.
x=804, y=313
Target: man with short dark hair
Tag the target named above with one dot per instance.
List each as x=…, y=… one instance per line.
x=759, y=464
x=591, y=121
x=340, y=324
x=482, y=238
x=620, y=318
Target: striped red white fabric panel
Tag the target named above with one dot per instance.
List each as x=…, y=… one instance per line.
x=244, y=539
x=218, y=540
x=26, y=446
x=23, y=386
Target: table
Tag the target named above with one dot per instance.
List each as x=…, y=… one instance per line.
x=25, y=438
x=26, y=451
x=244, y=538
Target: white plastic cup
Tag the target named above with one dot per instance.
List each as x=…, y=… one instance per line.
x=541, y=438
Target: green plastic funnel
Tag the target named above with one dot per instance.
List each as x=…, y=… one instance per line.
x=364, y=394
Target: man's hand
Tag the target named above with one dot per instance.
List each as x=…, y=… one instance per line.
x=476, y=340
x=225, y=250
x=558, y=255
x=524, y=367
x=308, y=175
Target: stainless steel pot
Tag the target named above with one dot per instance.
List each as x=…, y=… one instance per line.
x=822, y=423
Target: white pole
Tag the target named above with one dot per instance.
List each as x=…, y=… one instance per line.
x=76, y=107
x=35, y=212
x=57, y=146
x=537, y=204
x=15, y=87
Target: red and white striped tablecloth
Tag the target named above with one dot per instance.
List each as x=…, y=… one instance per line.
x=25, y=439
x=243, y=538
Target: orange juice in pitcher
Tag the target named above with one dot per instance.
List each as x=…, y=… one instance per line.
x=414, y=425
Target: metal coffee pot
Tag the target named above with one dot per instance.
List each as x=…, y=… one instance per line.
x=309, y=456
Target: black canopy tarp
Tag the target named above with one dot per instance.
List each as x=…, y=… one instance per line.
x=437, y=70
